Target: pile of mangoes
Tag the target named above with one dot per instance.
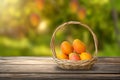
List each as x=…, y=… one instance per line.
x=75, y=51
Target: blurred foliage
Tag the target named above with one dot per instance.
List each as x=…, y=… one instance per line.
x=26, y=26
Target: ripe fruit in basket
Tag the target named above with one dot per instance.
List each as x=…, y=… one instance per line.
x=79, y=46
x=85, y=56
x=61, y=56
x=66, y=47
x=74, y=56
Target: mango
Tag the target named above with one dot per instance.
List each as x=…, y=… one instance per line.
x=74, y=56
x=79, y=46
x=61, y=56
x=66, y=47
x=85, y=56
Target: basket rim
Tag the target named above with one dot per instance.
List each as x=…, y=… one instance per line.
x=52, y=43
x=72, y=61
x=70, y=64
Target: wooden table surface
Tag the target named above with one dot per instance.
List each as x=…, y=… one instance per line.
x=35, y=68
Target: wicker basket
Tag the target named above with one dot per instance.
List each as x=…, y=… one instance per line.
x=69, y=64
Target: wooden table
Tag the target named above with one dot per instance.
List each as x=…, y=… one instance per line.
x=35, y=68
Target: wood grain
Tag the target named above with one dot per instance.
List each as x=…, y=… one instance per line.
x=30, y=68
x=60, y=76
x=48, y=60
x=48, y=68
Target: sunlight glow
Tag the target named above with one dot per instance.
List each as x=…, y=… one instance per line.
x=42, y=27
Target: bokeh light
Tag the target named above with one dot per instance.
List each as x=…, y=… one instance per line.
x=26, y=26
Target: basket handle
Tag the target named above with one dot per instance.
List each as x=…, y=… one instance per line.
x=52, y=43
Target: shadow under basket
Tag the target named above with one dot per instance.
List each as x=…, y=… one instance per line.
x=70, y=64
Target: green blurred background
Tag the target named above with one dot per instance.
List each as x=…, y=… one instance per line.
x=26, y=26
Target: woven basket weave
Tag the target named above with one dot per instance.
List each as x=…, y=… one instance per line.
x=69, y=64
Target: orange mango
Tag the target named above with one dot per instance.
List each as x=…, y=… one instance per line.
x=66, y=47
x=79, y=46
x=85, y=56
x=61, y=56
